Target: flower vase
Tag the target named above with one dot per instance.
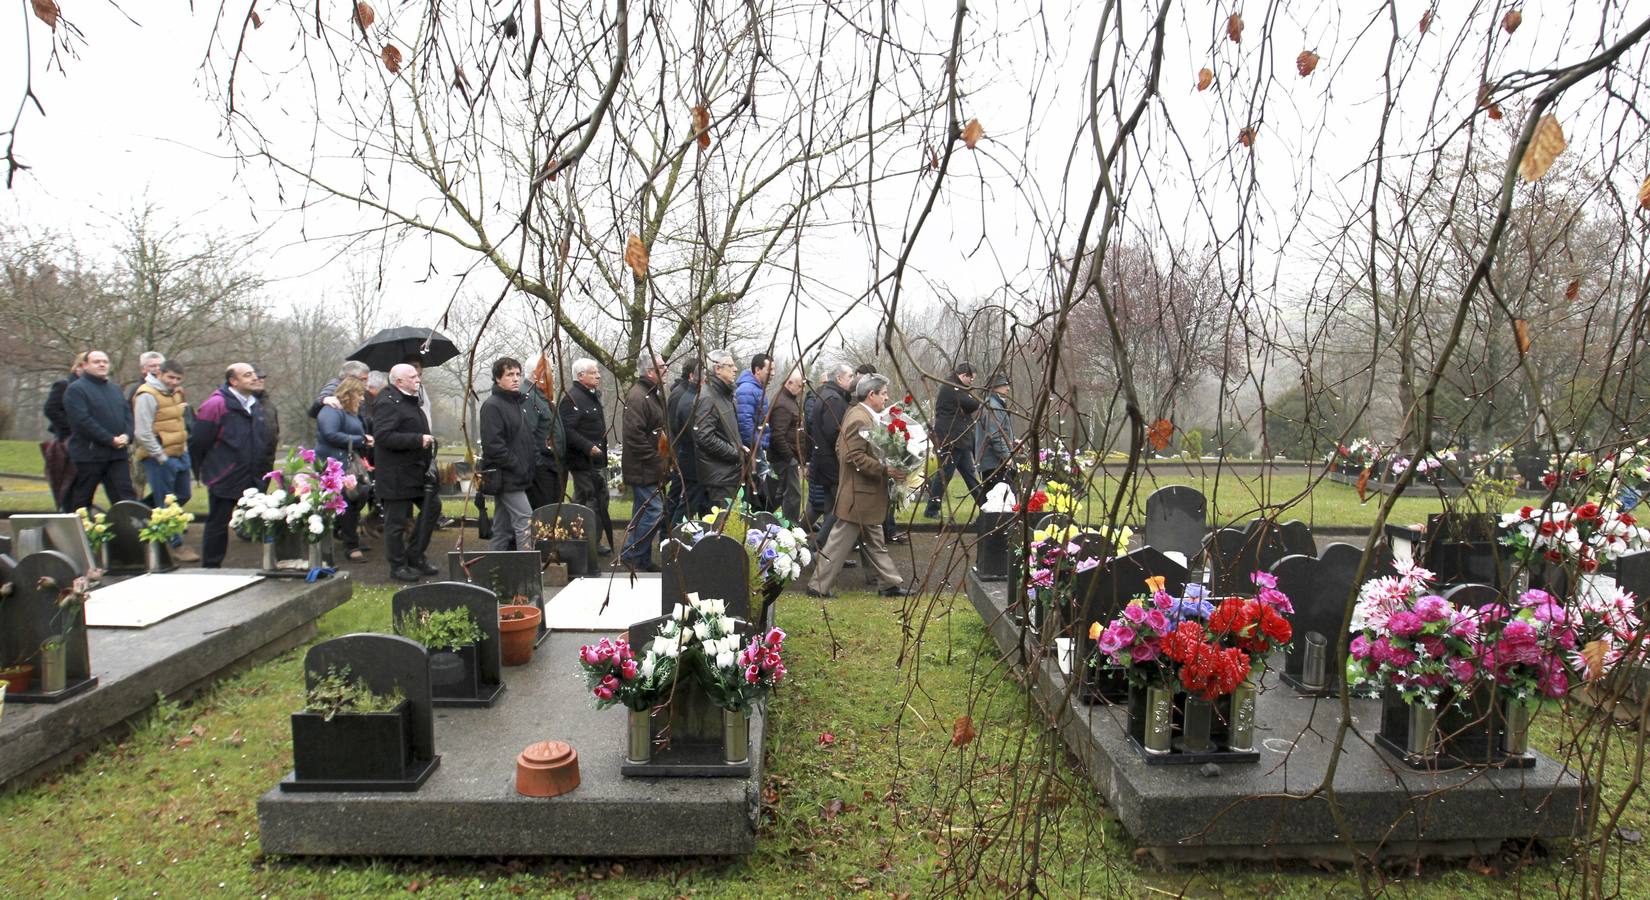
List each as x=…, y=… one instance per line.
x=269, y=554
x=736, y=736
x=1423, y=731
x=1159, y=725
x=1516, y=722
x=151, y=556
x=103, y=556
x=638, y=737
x=1196, y=722
x=316, y=558
x=1241, y=728
x=54, y=664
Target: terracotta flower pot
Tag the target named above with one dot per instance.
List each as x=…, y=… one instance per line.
x=18, y=678
x=517, y=627
x=547, y=769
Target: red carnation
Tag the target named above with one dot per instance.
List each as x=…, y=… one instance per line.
x=1587, y=510
x=1549, y=480
x=909, y=399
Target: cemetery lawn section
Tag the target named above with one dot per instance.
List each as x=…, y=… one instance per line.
x=850, y=800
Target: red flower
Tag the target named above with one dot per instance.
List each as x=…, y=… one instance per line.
x=1587, y=511
x=893, y=428
x=1627, y=520
x=1549, y=480
x=909, y=399
x=893, y=411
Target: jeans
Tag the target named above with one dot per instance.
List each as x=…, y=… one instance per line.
x=169, y=475
x=958, y=458
x=649, y=504
x=512, y=522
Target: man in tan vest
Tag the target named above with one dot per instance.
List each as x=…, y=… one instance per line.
x=161, y=429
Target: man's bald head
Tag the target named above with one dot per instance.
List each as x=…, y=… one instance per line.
x=240, y=376
x=405, y=378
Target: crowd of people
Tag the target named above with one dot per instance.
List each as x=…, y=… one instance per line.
x=715, y=437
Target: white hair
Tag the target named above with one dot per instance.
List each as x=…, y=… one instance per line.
x=353, y=368
x=151, y=356
x=582, y=365
x=718, y=357
x=376, y=381
x=867, y=384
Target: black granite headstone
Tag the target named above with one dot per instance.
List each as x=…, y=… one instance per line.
x=482, y=605
x=1177, y=520
x=686, y=729
x=1319, y=608
x=1462, y=549
x=62, y=532
x=1297, y=538
x=1633, y=574
x=384, y=663
x=126, y=519
x=1531, y=462
x=30, y=619
x=554, y=515
x=716, y=568
x=513, y=576
x=991, y=547
x=1101, y=594
x=1468, y=597
x=1234, y=556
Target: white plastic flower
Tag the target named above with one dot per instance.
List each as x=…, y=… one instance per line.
x=317, y=525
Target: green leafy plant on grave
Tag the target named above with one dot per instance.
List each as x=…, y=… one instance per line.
x=335, y=692
x=446, y=629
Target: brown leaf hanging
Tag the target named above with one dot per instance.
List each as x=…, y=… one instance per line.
x=1495, y=112
x=1545, y=146
x=1159, y=435
x=1204, y=79
x=1306, y=62
x=972, y=132
x=701, y=122
x=47, y=11
x=1246, y=136
x=1512, y=20
x=1426, y=21
x=1592, y=656
x=392, y=58
x=1521, y=334
x=1573, y=289
x=962, y=731
x=364, y=16
x=1644, y=194
x=1234, y=28
x=257, y=21
x=635, y=256
x=1363, y=484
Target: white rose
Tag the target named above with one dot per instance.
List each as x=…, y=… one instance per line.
x=316, y=525
x=649, y=664
x=701, y=629
x=724, y=659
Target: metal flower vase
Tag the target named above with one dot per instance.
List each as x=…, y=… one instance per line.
x=1515, y=739
x=1196, y=724
x=103, y=556
x=1159, y=726
x=638, y=736
x=1423, y=731
x=269, y=554
x=1241, y=721
x=736, y=736
x=316, y=558
x=151, y=556
x=54, y=664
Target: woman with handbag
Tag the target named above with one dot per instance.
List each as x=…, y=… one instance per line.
x=341, y=436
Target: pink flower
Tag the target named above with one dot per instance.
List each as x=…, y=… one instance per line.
x=1461, y=670
x=1404, y=623
x=1264, y=580
x=753, y=675
x=774, y=637
x=1042, y=577
x=609, y=682
x=588, y=655
x=627, y=669
x=307, y=454
x=1359, y=648
x=1156, y=621
x=1087, y=563
x=1135, y=613
x=1145, y=651
x=1432, y=608
x=603, y=692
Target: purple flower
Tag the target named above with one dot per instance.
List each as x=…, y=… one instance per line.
x=308, y=454
x=1461, y=670
x=1432, y=608
x=1405, y=623
x=1359, y=648
x=1087, y=563
x=1264, y=580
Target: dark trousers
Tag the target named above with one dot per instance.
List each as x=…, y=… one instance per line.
x=548, y=487
x=816, y=500
x=348, y=527
x=719, y=494
x=827, y=516
x=215, y=537
x=406, y=539
x=958, y=458
x=59, y=471
x=590, y=489
x=114, y=474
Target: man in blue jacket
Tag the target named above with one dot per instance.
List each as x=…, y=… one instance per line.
x=100, y=430
x=750, y=408
x=228, y=442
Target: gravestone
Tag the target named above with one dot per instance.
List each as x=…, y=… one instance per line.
x=1319, y=606
x=686, y=731
x=1234, y=556
x=513, y=576
x=1177, y=519
x=1633, y=574
x=991, y=545
x=31, y=615
x=384, y=663
x=716, y=568
x=1297, y=538
x=1530, y=460
x=126, y=519
x=1468, y=597
x=1102, y=592
x=559, y=514
x=760, y=519
x=1053, y=519
x=1462, y=549
x=55, y=531
x=482, y=605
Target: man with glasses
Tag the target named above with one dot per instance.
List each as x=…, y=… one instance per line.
x=862, y=495
x=718, y=452
x=642, y=465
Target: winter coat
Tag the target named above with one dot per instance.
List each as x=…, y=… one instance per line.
x=507, y=440
x=549, y=437
x=862, y=489
x=159, y=421
x=272, y=425
x=586, y=424
x=57, y=418
x=97, y=413
x=337, y=433
x=642, y=422
x=229, y=443
x=785, y=427
x=824, y=428
x=954, y=411
x=716, y=447
x=994, y=433
x=398, y=429
x=684, y=395
x=750, y=401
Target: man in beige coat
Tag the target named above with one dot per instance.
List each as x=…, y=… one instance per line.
x=861, y=495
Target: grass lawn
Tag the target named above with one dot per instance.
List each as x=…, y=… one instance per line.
x=865, y=793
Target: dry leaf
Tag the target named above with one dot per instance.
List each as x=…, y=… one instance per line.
x=1426, y=21
x=257, y=22
x=1204, y=79
x=962, y=732
x=1234, y=28
x=1161, y=432
x=1363, y=485
x=972, y=132
x=1573, y=289
x=701, y=122
x=1593, y=656
x=364, y=15
x=1306, y=62
x=1512, y=20
x=635, y=256
x=47, y=11
x=1545, y=146
x=1521, y=334
x=1246, y=136
x=833, y=808
x=1644, y=194
x=392, y=58
x=1495, y=112
x=934, y=160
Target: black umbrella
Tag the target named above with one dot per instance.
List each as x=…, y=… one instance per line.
x=395, y=345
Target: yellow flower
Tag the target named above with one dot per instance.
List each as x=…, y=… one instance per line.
x=1155, y=583
x=1094, y=631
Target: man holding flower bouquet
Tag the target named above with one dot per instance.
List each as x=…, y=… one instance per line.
x=862, y=493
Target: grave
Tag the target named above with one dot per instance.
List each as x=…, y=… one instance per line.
x=147, y=599
x=174, y=658
x=559, y=515
x=1234, y=556
x=1177, y=520
x=481, y=662
x=469, y=806
x=32, y=532
x=1272, y=810
x=691, y=720
x=514, y=576
x=1297, y=538
x=1318, y=587
x=715, y=568
x=991, y=546
x=126, y=550
x=1102, y=592
x=34, y=628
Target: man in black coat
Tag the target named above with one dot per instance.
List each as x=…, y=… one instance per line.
x=642, y=467
x=586, y=424
x=100, y=430
x=686, y=498
x=717, y=451
x=507, y=456
x=59, y=470
x=823, y=428
x=954, y=411
x=404, y=449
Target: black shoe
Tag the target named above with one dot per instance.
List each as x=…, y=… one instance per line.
x=895, y=591
x=850, y=564
x=933, y=511
x=604, y=551
x=648, y=566
x=424, y=566
x=406, y=573
x=823, y=595
x=903, y=537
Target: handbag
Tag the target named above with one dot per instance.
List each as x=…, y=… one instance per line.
x=355, y=465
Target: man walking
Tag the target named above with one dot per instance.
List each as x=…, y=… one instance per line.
x=642, y=466
x=549, y=437
x=161, y=432
x=717, y=450
x=823, y=428
x=507, y=457
x=750, y=400
x=229, y=440
x=59, y=470
x=954, y=411
x=586, y=425
x=994, y=435
x=100, y=430
x=404, y=450
x=785, y=446
x=686, y=496
x=862, y=495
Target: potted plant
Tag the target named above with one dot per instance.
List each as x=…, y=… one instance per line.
x=166, y=523
x=564, y=543
x=451, y=636
x=518, y=627
x=616, y=677
x=98, y=534
x=738, y=680
x=347, y=732
x=18, y=677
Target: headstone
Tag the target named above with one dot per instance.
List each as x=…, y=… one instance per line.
x=1530, y=460
x=1319, y=609
x=1177, y=520
x=991, y=546
x=1101, y=594
x=1234, y=556
x=1462, y=549
x=58, y=531
x=686, y=731
x=716, y=568
x=1468, y=597
x=1297, y=538
x=513, y=576
x=482, y=605
x=1633, y=574
x=383, y=663
x=1052, y=520
x=559, y=514
x=126, y=519
x=760, y=519
x=31, y=615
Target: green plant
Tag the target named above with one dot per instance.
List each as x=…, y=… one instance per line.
x=1191, y=442
x=335, y=692
x=1489, y=495
x=446, y=629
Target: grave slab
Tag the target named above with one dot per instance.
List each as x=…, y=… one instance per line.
x=1260, y=811
x=580, y=605
x=147, y=599
x=469, y=806
x=174, y=658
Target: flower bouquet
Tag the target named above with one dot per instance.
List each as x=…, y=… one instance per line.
x=615, y=677
x=1254, y=625
x=166, y=522
x=780, y=554
x=739, y=678
x=899, y=448
x=1582, y=537
x=98, y=533
x=317, y=491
